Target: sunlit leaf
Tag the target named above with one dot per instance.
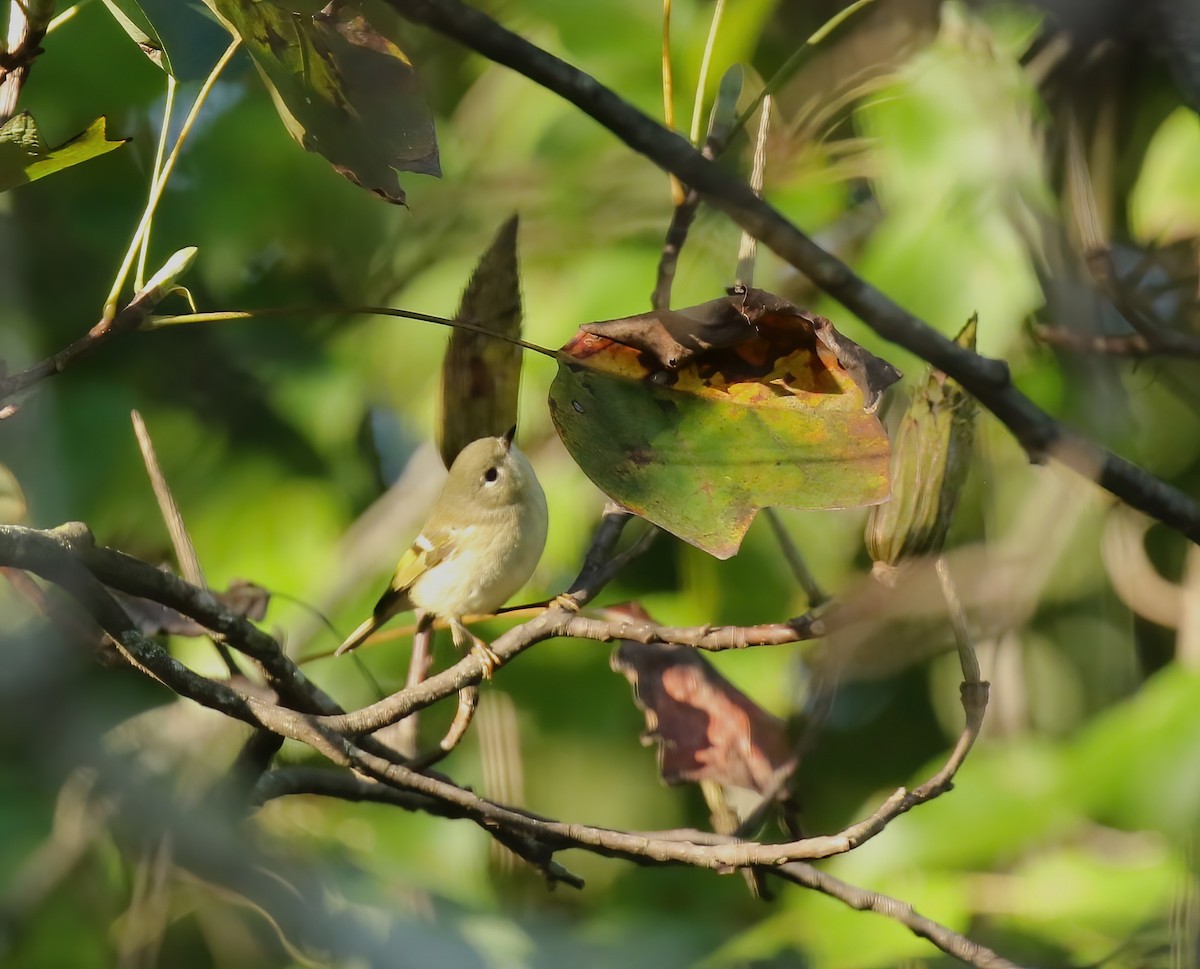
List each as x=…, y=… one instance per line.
x=480, y=374
x=133, y=20
x=696, y=418
x=25, y=157
x=343, y=90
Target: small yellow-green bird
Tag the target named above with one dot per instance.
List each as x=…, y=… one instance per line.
x=480, y=544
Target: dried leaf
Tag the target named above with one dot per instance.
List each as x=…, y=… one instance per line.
x=706, y=729
x=696, y=418
x=481, y=375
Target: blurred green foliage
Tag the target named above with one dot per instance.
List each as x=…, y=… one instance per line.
x=1070, y=836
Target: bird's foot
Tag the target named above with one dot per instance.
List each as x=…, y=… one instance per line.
x=487, y=658
x=566, y=601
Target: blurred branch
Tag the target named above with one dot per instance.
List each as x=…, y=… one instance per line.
x=712, y=638
x=27, y=23
x=987, y=379
x=68, y=557
x=1122, y=345
x=865, y=900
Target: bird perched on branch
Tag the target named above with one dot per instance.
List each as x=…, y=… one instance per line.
x=480, y=544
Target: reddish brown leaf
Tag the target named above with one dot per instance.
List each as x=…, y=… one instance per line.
x=705, y=727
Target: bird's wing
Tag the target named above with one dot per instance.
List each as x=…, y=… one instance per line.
x=431, y=547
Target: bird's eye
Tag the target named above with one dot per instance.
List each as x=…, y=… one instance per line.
x=491, y=475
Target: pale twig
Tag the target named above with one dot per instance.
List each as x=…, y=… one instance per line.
x=185, y=550
x=808, y=582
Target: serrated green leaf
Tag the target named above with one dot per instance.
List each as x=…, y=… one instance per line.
x=25, y=157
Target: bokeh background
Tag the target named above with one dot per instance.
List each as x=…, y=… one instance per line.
x=936, y=147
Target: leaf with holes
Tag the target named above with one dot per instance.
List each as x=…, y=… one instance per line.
x=696, y=418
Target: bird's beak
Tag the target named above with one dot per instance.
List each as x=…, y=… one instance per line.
x=508, y=436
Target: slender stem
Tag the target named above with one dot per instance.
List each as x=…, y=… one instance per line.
x=668, y=91
x=160, y=184
x=159, y=154
x=702, y=81
x=225, y=315
x=66, y=15
x=808, y=582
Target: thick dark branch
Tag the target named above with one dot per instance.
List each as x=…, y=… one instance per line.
x=70, y=547
x=26, y=27
x=350, y=787
x=987, y=379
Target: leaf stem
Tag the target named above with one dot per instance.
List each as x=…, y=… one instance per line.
x=139, y=278
x=159, y=184
x=157, y=322
x=705, y=63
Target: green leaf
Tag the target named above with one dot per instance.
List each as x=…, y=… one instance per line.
x=133, y=20
x=771, y=417
x=24, y=156
x=929, y=465
x=342, y=89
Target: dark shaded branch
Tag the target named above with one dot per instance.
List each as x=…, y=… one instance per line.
x=346, y=786
x=126, y=321
x=71, y=546
x=987, y=379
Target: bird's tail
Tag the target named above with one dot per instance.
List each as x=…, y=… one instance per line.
x=359, y=636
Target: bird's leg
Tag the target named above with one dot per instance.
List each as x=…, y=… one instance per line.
x=464, y=638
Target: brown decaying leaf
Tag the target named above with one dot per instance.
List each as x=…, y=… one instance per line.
x=674, y=338
x=706, y=729
x=481, y=375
